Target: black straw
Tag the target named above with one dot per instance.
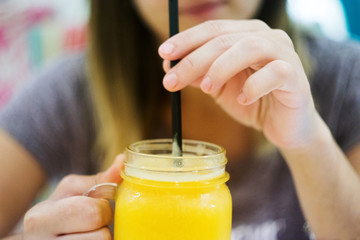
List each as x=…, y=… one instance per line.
x=175, y=96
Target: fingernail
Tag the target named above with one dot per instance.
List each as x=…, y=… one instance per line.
x=241, y=98
x=206, y=85
x=166, y=48
x=119, y=159
x=170, y=81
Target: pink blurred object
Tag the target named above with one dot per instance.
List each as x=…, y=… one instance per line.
x=4, y=43
x=29, y=38
x=34, y=15
x=6, y=91
x=75, y=39
x=15, y=23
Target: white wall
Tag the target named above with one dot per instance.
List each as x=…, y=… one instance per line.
x=325, y=15
x=67, y=10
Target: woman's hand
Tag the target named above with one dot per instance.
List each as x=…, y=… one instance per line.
x=69, y=215
x=252, y=71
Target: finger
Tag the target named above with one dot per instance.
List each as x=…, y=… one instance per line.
x=73, y=185
x=100, y=234
x=78, y=214
x=220, y=59
x=185, y=42
x=166, y=65
x=274, y=76
x=253, y=51
x=34, y=220
x=112, y=174
x=68, y=215
x=195, y=65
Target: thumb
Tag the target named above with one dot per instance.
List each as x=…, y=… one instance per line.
x=112, y=174
x=73, y=185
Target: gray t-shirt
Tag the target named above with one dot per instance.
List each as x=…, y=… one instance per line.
x=52, y=118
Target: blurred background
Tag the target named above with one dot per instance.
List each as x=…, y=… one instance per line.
x=35, y=33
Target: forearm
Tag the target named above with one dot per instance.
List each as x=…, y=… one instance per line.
x=14, y=237
x=327, y=185
x=21, y=177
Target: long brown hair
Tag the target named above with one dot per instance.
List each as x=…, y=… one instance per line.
x=125, y=71
x=125, y=76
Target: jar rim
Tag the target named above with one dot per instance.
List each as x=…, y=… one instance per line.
x=221, y=179
x=153, y=159
x=130, y=148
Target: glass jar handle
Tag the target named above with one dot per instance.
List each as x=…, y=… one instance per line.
x=103, y=190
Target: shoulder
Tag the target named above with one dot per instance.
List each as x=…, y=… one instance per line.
x=335, y=66
x=63, y=82
x=327, y=51
x=62, y=77
x=66, y=71
x=335, y=86
x=52, y=116
x=339, y=61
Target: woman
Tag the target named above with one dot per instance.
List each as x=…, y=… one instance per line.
x=246, y=78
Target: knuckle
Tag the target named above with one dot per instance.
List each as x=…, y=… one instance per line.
x=34, y=217
x=259, y=24
x=90, y=211
x=282, y=69
x=95, y=213
x=31, y=222
x=214, y=26
x=188, y=63
x=68, y=180
x=68, y=209
x=256, y=44
x=284, y=36
x=224, y=41
x=281, y=33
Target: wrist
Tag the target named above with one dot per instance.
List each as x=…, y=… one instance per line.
x=319, y=138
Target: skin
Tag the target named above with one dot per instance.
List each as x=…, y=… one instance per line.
x=253, y=74
x=266, y=88
x=193, y=125
x=30, y=177
x=231, y=9
x=67, y=214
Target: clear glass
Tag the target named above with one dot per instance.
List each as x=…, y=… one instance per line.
x=165, y=197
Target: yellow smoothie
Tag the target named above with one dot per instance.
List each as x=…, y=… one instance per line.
x=160, y=210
